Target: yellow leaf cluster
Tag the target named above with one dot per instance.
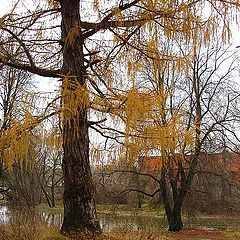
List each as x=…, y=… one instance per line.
x=134, y=149
x=138, y=106
x=53, y=3
x=75, y=98
x=151, y=127
x=72, y=34
x=53, y=138
x=167, y=139
x=15, y=141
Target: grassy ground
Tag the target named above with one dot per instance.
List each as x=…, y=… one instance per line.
x=121, y=210
x=126, y=210
x=40, y=231
x=45, y=208
x=152, y=218
x=188, y=234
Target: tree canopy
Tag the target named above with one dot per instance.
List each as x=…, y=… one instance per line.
x=97, y=49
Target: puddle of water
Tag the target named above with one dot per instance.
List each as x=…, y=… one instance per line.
x=4, y=215
x=109, y=222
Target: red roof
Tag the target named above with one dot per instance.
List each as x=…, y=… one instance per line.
x=227, y=160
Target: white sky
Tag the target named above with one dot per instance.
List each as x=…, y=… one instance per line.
x=5, y=6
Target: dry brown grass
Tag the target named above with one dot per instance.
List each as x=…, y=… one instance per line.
x=29, y=232
x=42, y=232
x=188, y=234
x=21, y=232
x=127, y=234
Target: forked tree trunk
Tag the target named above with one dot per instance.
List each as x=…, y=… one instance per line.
x=175, y=221
x=79, y=193
x=172, y=208
x=174, y=215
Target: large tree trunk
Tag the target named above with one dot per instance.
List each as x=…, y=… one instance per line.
x=79, y=193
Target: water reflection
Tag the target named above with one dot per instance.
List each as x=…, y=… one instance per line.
x=111, y=221
x=107, y=221
x=52, y=219
x=4, y=214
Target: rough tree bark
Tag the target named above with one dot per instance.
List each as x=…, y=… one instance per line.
x=79, y=193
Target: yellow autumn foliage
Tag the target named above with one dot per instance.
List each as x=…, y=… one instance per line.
x=138, y=106
x=15, y=141
x=163, y=139
x=75, y=97
x=145, y=113
x=152, y=127
x=53, y=138
x=53, y=3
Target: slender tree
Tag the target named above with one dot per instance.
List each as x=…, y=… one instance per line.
x=179, y=114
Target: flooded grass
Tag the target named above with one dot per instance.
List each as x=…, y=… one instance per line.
x=47, y=209
x=43, y=224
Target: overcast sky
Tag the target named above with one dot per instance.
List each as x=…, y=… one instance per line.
x=5, y=6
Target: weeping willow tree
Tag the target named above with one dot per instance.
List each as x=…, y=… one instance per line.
x=158, y=125
x=171, y=114
x=88, y=45
x=14, y=85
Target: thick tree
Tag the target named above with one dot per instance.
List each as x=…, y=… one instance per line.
x=85, y=62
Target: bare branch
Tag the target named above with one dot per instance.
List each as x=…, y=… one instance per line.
x=126, y=191
x=139, y=173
